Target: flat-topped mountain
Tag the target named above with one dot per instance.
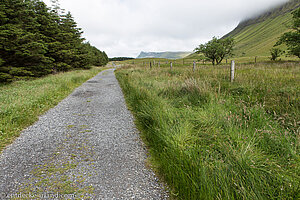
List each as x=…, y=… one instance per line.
x=167, y=54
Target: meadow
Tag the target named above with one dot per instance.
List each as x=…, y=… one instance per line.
x=188, y=61
x=21, y=102
x=212, y=139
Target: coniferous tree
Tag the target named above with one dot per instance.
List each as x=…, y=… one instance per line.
x=22, y=47
x=35, y=41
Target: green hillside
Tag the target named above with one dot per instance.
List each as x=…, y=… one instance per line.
x=256, y=36
x=258, y=39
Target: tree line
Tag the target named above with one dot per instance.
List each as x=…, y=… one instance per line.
x=120, y=58
x=36, y=40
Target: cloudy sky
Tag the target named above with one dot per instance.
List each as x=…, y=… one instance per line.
x=127, y=27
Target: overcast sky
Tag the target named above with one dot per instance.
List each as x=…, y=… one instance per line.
x=127, y=27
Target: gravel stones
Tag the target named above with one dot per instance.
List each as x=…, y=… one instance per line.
x=85, y=147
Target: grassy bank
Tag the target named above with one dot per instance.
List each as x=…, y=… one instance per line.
x=211, y=139
x=22, y=102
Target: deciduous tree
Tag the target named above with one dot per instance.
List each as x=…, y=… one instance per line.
x=275, y=53
x=292, y=38
x=216, y=49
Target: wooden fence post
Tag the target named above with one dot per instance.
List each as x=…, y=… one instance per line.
x=171, y=66
x=194, y=66
x=232, y=71
x=255, y=58
x=150, y=65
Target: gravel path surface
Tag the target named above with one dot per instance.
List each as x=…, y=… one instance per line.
x=85, y=147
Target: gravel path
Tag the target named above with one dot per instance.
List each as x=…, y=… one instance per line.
x=85, y=147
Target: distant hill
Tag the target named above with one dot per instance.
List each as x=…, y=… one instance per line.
x=256, y=36
x=168, y=55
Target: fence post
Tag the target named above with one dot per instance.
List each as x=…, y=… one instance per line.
x=150, y=65
x=171, y=65
x=194, y=66
x=255, y=58
x=159, y=64
x=232, y=71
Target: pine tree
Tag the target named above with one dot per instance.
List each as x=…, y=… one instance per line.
x=36, y=41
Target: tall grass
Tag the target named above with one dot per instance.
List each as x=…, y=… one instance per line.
x=211, y=139
x=22, y=102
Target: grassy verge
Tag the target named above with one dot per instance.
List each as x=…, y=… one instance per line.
x=22, y=102
x=211, y=139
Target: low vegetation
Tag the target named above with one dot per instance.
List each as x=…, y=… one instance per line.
x=21, y=102
x=212, y=139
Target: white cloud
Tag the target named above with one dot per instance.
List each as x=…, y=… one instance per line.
x=126, y=27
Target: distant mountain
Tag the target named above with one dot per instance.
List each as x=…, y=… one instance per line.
x=256, y=36
x=168, y=55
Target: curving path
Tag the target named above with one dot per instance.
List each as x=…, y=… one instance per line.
x=85, y=147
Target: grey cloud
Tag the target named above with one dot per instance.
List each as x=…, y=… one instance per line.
x=126, y=27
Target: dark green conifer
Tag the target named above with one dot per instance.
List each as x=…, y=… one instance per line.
x=36, y=41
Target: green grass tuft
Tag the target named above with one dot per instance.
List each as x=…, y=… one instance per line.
x=212, y=139
x=22, y=102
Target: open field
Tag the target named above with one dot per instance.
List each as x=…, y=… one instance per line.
x=22, y=102
x=188, y=62
x=212, y=139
